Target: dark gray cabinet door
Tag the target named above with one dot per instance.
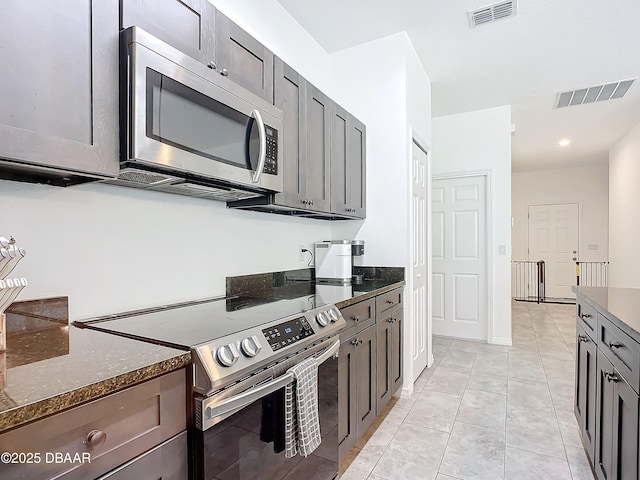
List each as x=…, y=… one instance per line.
x=318, y=150
x=395, y=365
x=617, y=432
x=340, y=155
x=59, y=86
x=365, y=380
x=384, y=341
x=357, y=168
x=243, y=59
x=347, y=373
x=187, y=25
x=289, y=96
x=585, y=389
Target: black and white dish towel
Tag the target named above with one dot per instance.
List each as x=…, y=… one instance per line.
x=302, y=424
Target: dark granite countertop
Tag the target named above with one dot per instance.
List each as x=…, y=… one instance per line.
x=50, y=365
x=296, y=283
x=621, y=304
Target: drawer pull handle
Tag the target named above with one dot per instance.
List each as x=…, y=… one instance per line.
x=615, y=345
x=585, y=316
x=611, y=377
x=95, y=438
x=583, y=338
x=355, y=319
x=390, y=302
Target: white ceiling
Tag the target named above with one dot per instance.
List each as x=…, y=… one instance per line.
x=549, y=46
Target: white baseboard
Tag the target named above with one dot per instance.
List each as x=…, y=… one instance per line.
x=407, y=391
x=501, y=341
x=430, y=360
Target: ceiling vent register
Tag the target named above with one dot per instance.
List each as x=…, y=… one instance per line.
x=491, y=13
x=597, y=93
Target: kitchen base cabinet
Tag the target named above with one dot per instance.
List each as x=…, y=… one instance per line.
x=585, y=396
x=389, y=357
x=356, y=386
x=370, y=368
x=616, y=453
x=110, y=431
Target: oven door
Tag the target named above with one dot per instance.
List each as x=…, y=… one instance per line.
x=232, y=448
x=184, y=117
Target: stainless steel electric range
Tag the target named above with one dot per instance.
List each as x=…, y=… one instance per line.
x=241, y=350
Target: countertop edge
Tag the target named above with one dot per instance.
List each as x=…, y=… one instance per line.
x=24, y=414
x=371, y=294
x=618, y=322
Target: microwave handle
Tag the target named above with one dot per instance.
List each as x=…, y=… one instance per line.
x=262, y=156
x=237, y=402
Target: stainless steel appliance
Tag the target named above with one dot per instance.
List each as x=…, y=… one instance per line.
x=334, y=260
x=241, y=350
x=186, y=129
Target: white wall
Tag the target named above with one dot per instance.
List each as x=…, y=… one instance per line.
x=624, y=211
x=588, y=186
x=481, y=141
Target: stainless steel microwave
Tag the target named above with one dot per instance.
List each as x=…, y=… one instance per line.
x=189, y=130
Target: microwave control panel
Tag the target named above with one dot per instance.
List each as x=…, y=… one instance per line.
x=271, y=160
x=286, y=333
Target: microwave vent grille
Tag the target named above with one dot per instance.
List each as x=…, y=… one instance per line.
x=139, y=176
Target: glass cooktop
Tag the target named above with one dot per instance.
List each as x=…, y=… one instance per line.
x=187, y=325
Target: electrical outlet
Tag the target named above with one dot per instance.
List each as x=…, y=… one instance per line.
x=301, y=249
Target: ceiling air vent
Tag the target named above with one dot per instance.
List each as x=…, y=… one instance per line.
x=597, y=93
x=491, y=13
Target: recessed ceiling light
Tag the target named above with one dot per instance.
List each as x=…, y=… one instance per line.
x=564, y=142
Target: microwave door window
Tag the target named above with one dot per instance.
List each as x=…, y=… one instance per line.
x=187, y=119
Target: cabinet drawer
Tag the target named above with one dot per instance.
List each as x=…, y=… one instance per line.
x=110, y=431
x=358, y=317
x=389, y=301
x=620, y=349
x=587, y=318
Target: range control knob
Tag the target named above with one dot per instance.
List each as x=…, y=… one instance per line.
x=334, y=315
x=322, y=319
x=227, y=355
x=250, y=346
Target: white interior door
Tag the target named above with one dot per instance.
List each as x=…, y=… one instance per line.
x=553, y=237
x=459, y=245
x=419, y=259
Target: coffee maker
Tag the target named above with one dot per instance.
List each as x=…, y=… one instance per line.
x=334, y=260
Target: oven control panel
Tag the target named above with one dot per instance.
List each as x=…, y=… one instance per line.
x=287, y=333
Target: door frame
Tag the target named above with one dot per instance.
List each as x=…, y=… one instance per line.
x=407, y=388
x=489, y=228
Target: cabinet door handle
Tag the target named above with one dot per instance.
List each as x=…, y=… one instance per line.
x=611, y=377
x=95, y=438
x=391, y=320
x=212, y=65
x=355, y=319
x=224, y=72
x=583, y=338
x=615, y=345
x=356, y=342
x=584, y=316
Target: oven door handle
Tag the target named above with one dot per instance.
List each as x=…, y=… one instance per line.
x=262, y=156
x=233, y=404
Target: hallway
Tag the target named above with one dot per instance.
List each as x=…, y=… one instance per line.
x=486, y=411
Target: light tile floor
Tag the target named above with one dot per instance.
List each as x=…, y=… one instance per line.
x=486, y=411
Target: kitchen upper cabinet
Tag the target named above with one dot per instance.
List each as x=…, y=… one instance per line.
x=290, y=96
x=59, y=114
x=585, y=388
x=348, y=138
x=616, y=452
x=318, y=150
x=187, y=25
x=243, y=59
